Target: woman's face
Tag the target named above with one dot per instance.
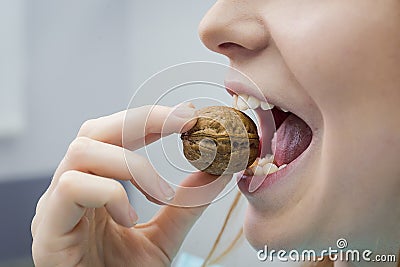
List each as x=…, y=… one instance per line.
x=336, y=65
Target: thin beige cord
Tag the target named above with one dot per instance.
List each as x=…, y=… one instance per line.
x=218, y=239
x=228, y=249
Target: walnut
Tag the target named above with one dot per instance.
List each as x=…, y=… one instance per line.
x=223, y=141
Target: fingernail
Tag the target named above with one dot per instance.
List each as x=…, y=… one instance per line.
x=133, y=215
x=166, y=189
x=185, y=110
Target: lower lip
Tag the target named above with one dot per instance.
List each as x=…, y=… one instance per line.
x=273, y=178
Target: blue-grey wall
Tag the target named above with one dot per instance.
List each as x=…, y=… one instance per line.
x=17, y=206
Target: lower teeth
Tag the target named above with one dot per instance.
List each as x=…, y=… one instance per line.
x=264, y=166
x=282, y=167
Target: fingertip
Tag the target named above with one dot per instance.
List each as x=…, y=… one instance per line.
x=180, y=119
x=185, y=110
x=188, y=125
x=168, y=193
x=133, y=217
x=128, y=219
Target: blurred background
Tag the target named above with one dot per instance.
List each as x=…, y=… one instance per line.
x=65, y=61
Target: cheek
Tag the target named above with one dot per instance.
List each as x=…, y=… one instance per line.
x=339, y=50
x=347, y=59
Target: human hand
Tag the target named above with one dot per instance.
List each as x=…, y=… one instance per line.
x=85, y=219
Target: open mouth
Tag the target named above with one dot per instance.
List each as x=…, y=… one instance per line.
x=280, y=147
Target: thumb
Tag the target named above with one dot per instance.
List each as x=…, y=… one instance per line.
x=174, y=222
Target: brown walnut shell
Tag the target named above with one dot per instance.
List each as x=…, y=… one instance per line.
x=223, y=141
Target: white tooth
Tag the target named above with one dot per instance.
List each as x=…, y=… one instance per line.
x=234, y=101
x=267, y=159
x=270, y=158
x=253, y=102
x=262, y=162
x=244, y=96
x=282, y=166
x=241, y=102
x=284, y=110
x=270, y=168
x=266, y=106
x=258, y=171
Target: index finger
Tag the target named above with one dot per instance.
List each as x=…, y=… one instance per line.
x=130, y=128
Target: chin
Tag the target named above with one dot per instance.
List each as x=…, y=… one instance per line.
x=261, y=231
x=297, y=238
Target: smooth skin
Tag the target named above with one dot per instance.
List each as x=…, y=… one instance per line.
x=85, y=219
x=337, y=63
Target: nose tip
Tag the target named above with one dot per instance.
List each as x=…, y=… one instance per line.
x=229, y=29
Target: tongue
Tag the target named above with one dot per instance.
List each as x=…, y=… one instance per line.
x=290, y=140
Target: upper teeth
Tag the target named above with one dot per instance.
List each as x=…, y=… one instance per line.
x=241, y=103
x=244, y=102
x=253, y=102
